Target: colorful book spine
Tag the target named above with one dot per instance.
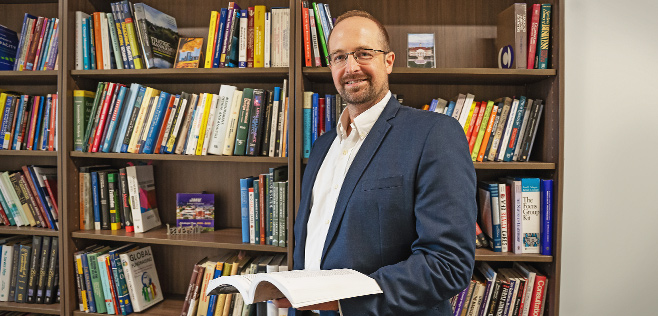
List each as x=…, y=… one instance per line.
x=244, y=207
x=543, y=42
x=546, y=238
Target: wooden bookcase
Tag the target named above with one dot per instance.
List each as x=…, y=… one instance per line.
x=466, y=62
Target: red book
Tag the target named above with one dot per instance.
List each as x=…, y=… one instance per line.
x=306, y=28
x=250, y=37
x=321, y=111
x=471, y=123
x=53, y=126
x=103, y=117
x=98, y=39
x=261, y=207
x=44, y=30
x=170, y=106
x=33, y=188
x=510, y=215
x=487, y=133
x=538, y=294
x=28, y=64
x=3, y=216
x=29, y=139
x=51, y=186
x=474, y=135
x=533, y=29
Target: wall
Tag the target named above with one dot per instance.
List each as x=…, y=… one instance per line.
x=611, y=178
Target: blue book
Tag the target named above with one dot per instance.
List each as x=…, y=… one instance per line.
x=125, y=117
x=19, y=117
x=41, y=195
x=24, y=34
x=326, y=28
x=257, y=218
x=212, y=301
x=131, y=119
x=85, y=45
x=96, y=199
x=102, y=268
x=451, y=108
x=120, y=280
x=546, y=217
x=38, y=64
x=156, y=123
x=308, y=122
x=8, y=48
x=329, y=112
x=433, y=105
x=245, y=184
x=45, y=129
x=316, y=116
x=91, y=301
x=219, y=37
x=37, y=127
x=492, y=189
x=5, y=119
x=516, y=130
x=112, y=126
x=92, y=45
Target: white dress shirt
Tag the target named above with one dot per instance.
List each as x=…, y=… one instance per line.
x=331, y=176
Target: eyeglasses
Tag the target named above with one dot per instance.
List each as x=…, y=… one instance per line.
x=361, y=56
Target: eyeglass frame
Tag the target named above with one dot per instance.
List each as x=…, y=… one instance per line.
x=367, y=61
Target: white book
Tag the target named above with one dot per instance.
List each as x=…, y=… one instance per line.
x=5, y=271
x=105, y=42
x=275, y=120
x=468, y=104
x=211, y=118
x=141, y=278
x=300, y=287
x=185, y=124
x=218, y=132
x=242, y=44
x=193, y=137
x=508, y=130
x=314, y=39
x=79, y=59
x=273, y=266
x=458, y=106
x=476, y=300
x=12, y=200
x=502, y=207
x=141, y=189
x=283, y=266
x=285, y=37
x=516, y=210
x=268, y=39
x=139, y=121
x=530, y=228
x=522, y=130
x=529, y=285
x=276, y=37
x=232, y=126
x=153, y=107
x=283, y=118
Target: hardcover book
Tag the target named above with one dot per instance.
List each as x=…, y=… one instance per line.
x=195, y=209
x=159, y=35
x=189, y=52
x=420, y=50
x=141, y=188
x=8, y=48
x=142, y=278
x=512, y=31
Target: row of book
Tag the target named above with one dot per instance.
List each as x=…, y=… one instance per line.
x=264, y=208
x=317, y=24
x=28, y=122
x=199, y=304
x=248, y=38
x=113, y=199
x=130, y=37
x=37, y=47
x=500, y=130
x=523, y=36
x=517, y=214
x=116, y=280
x=520, y=290
x=10, y=313
x=29, y=270
x=29, y=197
x=139, y=119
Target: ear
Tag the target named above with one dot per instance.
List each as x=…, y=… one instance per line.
x=389, y=60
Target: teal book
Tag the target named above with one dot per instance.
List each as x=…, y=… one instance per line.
x=96, y=283
x=105, y=282
x=240, y=147
x=531, y=206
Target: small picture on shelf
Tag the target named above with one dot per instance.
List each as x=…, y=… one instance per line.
x=189, y=52
x=195, y=209
x=420, y=50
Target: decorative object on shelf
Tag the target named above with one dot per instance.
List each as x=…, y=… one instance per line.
x=188, y=230
x=189, y=52
x=420, y=50
x=195, y=209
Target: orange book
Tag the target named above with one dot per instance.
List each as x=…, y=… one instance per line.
x=306, y=29
x=426, y=107
x=474, y=136
x=53, y=128
x=29, y=136
x=487, y=133
x=165, y=121
x=98, y=39
x=473, y=117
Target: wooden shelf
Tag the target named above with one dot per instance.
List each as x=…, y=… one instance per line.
x=50, y=309
x=198, y=75
x=31, y=153
x=453, y=76
x=230, y=238
x=170, y=306
x=213, y=158
x=489, y=255
x=14, y=230
x=503, y=165
x=43, y=77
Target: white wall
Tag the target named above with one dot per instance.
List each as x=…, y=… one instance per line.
x=610, y=227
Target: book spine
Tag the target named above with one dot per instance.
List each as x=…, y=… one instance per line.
x=544, y=37
x=243, y=123
x=114, y=118
x=513, y=139
x=96, y=200
x=244, y=208
x=115, y=220
x=321, y=36
x=121, y=17
x=250, y=37
x=256, y=124
x=532, y=34
x=142, y=33
x=546, y=238
x=219, y=37
x=91, y=300
x=107, y=296
x=118, y=54
x=103, y=188
x=156, y=123
x=531, y=214
x=132, y=36
x=190, y=290
x=259, y=36
x=212, y=30
x=122, y=289
x=230, y=24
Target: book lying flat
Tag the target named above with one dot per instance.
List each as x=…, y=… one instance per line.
x=300, y=287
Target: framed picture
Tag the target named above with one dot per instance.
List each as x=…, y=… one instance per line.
x=189, y=52
x=420, y=50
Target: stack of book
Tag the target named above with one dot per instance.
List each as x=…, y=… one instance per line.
x=248, y=38
x=199, y=304
x=35, y=49
x=113, y=199
x=29, y=197
x=520, y=290
x=28, y=122
x=500, y=130
x=523, y=33
x=131, y=37
x=139, y=119
x=516, y=214
x=264, y=208
x=116, y=281
x=29, y=272
x=317, y=24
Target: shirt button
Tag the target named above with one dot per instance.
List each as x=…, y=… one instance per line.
x=336, y=187
x=344, y=152
x=327, y=222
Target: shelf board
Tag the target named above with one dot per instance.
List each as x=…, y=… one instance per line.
x=42, y=77
x=14, y=230
x=170, y=306
x=197, y=75
x=503, y=165
x=51, y=309
x=229, y=238
x=31, y=153
x=213, y=158
x=486, y=76
x=489, y=255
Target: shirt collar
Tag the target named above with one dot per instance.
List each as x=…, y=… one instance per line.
x=364, y=122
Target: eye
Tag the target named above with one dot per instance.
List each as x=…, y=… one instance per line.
x=363, y=54
x=338, y=58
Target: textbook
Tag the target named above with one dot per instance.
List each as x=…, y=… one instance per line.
x=300, y=287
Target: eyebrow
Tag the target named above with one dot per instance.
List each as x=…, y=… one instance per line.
x=358, y=48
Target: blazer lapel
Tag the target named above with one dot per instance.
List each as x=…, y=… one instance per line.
x=361, y=161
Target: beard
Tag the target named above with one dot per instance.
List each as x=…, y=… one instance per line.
x=365, y=92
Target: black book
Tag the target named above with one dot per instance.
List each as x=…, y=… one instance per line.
x=113, y=194
x=495, y=295
x=124, y=197
x=52, y=281
x=43, y=270
x=256, y=122
x=22, y=272
x=95, y=114
x=14, y=272
x=35, y=260
x=265, y=148
x=531, y=130
x=104, y=194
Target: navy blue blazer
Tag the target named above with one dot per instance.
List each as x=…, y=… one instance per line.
x=405, y=214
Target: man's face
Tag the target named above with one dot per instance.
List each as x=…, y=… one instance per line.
x=360, y=85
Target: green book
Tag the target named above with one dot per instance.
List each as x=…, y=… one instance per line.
x=92, y=115
x=482, y=130
x=96, y=284
x=240, y=147
x=82, y=103
x=318, y=25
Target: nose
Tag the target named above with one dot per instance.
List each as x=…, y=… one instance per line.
x=351, y=65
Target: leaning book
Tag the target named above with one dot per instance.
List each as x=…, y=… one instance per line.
x=141, y=278
x=300, y=287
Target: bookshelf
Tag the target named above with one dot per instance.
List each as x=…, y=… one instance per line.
x=464, y=32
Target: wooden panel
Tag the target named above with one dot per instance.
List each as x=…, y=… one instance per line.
x=50, y=309
x=43, y=77
x=209, y=158
x=202, y=75
x=171, y=306
x=14, y=230
x=12, y=14
x=489, y=255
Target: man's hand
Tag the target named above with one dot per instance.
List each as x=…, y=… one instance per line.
x=328, y=306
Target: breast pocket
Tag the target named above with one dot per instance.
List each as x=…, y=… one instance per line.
x=382, y=183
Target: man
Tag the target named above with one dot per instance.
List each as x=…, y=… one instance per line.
x=390, y=192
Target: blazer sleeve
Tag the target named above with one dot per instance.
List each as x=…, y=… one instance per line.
x=443, y=255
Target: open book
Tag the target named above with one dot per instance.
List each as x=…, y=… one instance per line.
x=300, y=287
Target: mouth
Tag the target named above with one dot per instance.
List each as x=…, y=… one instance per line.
x=353, y=82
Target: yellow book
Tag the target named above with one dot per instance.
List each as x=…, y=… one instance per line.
x=134, y=138
x=468, y=119
x=83, y=305
x=3, y=99
x=204, y=124
x=482, y=130
x=134, y=46
x=259, y=36
x=211, y=38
